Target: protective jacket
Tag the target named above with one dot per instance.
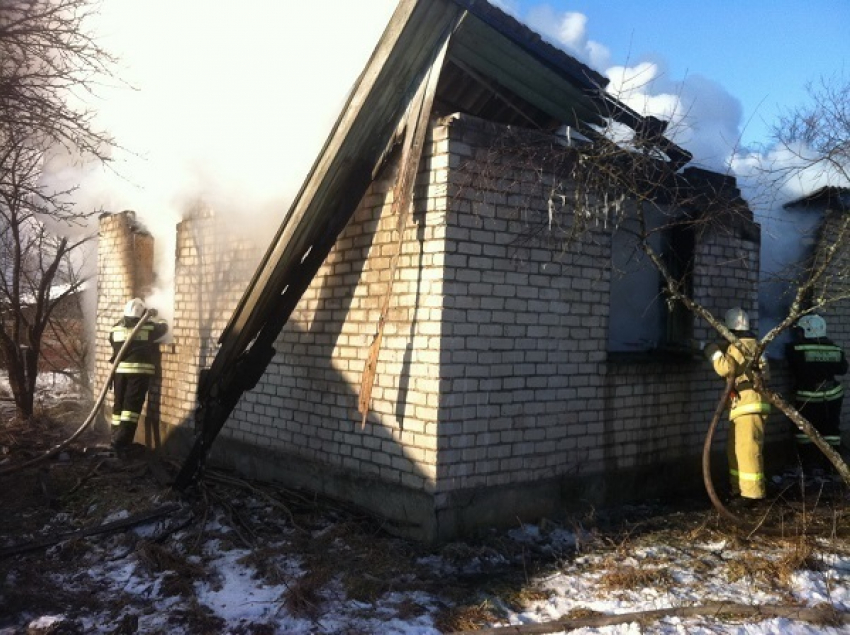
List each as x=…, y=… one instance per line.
x=731, y=359
x=140, y=356
x=814, y=363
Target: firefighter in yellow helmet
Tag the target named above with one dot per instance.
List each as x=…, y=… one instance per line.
x=134, y=372
x=748, y=410
x=814, y=361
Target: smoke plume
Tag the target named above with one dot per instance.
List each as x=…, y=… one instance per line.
x=220, y=106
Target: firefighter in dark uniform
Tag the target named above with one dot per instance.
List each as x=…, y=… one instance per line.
x=814, y=361
x=748, y=410
x=134, y=372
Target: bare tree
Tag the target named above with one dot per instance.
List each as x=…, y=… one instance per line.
x=646, y=178
x=36, y=276
x=817, y=136
x=818, y=132
x=631, y=185
x=49, y=65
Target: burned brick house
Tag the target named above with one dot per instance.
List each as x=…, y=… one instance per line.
x=440, y=367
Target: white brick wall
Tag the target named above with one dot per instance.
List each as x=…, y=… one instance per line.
x=494, y=369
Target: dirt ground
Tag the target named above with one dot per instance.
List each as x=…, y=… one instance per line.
x=48, y=508
x=65, y=512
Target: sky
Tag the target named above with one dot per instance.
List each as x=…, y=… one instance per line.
x=227, y=110
x=761, y=52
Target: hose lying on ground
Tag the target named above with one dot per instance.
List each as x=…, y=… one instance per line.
x=55, y=450
x=750, y=527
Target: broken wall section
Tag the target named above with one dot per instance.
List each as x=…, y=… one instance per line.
x=125, y=271
x=213, y=266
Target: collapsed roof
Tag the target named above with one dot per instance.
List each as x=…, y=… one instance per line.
x=826, y=197
x=495, y=68
x=436, y=57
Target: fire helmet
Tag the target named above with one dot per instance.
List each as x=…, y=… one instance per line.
x=135, y=308
x=813, y=325
x=737, y=319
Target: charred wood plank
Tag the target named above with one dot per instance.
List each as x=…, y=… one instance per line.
x=416, y=130
x=339, y=179
x=116, y=525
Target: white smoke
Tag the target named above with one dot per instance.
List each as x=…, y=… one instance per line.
x=219, y=105
x=568, y=30
x=703, y=117
x=707, y=120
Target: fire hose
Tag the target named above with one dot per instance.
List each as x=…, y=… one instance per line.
x=88, y=421
x=706, y=471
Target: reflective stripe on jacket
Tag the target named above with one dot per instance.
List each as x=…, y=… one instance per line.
x=754, y=408
x=819, y=353
x=820, y=396
x=140, y=356
x=814, y=363
x=831, y=439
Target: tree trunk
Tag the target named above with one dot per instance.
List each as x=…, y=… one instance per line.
x=809, y=430
x=18, y=384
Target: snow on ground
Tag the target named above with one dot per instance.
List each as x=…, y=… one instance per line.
x=49, y=387
x=248, y=559
x=235, y=593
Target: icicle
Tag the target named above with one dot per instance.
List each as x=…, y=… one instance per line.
x=551, y=211
x=604, y=210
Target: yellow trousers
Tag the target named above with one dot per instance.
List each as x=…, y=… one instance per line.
x=744, y=453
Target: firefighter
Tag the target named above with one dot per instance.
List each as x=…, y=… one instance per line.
x=748, y=410
x=814, y=361
x=134, y=372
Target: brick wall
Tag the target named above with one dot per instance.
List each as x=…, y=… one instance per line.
x=306, y=405
x=530, y=392
x=124, y=262
x=494, y=374
x=212, y=266
x=495, y=396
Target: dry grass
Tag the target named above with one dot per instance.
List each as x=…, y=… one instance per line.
x=800, y=555
x=522, y=598
x=180, y=574
x=771, y=572
x=580, y=614
x=263, y=560
x=340, y=553
x=196, y=618
x=303, y=597
x=407, y=609
x=626, y=577
x=466, y=618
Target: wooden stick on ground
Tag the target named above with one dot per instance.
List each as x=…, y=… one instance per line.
x=117, y=525
x=827, y=615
